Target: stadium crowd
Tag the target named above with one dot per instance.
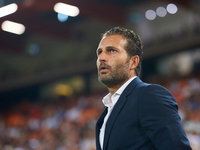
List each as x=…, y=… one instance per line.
x=69, y=123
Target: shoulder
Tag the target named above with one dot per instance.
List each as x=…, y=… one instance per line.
x=150, y=92
x=157, y=94
x=149, y=88
x=157, y=100
x=156, y=91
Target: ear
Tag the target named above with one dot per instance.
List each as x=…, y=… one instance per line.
x=134, y=61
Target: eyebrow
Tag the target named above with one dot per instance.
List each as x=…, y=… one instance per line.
x=109, y=47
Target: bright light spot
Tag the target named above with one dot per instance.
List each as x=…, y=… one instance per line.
x=64, y=90
x=66, y=9
x=13, y=27
x=161, y=11
x=150, y=14
x=62, y=17
x=172, y=9
x=8, y=9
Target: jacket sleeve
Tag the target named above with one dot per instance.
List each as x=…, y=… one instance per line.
x=159, y=118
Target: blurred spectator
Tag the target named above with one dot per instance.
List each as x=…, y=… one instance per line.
x=69, y=124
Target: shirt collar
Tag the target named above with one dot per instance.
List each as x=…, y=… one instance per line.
x=107, y=101
x=121, y=89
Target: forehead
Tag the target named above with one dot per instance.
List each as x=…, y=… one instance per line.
x=113, y=40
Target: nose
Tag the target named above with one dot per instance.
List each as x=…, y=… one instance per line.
x=102, y=57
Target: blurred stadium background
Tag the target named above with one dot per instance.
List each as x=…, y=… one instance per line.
x=50, y=97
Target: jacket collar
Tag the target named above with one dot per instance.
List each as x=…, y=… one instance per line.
x=116, y=110
x=98, y=127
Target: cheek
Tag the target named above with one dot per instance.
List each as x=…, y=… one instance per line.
x=97, y=63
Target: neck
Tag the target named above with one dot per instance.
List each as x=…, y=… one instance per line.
x=113, y=89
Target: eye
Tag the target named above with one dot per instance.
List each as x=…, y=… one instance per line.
x=99, y=52
x=112, y=50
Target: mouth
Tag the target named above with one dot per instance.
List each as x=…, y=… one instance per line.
x=103, y=69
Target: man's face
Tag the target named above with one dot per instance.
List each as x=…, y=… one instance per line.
x=112, y=61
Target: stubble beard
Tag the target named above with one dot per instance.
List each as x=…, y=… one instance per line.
x=117, y=75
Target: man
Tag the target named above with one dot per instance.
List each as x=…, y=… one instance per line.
x=138, y=116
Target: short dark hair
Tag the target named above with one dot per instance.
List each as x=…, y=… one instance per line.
x=134, y=44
